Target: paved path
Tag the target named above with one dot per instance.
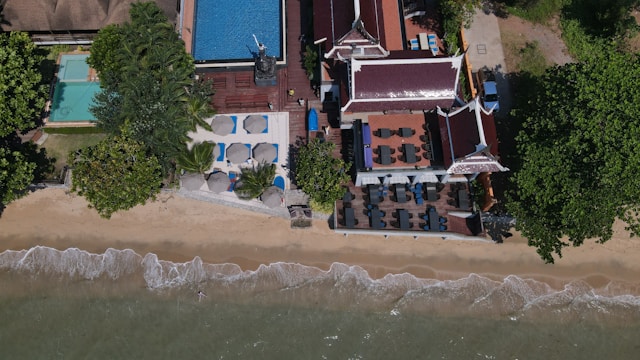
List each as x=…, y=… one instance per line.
x=485, y=50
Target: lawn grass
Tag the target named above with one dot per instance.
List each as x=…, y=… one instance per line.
x=59, y=146
x=539, y=11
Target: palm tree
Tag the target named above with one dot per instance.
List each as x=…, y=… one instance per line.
x=198, y=159
x=253, y=181
x=196, y=109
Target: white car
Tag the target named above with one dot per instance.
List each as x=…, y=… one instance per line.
x=490, y=97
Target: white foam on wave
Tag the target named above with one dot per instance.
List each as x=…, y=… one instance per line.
x=340, y=286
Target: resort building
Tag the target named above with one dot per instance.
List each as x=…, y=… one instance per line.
x=416, y=143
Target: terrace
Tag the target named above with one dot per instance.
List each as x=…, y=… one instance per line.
x=431, y=209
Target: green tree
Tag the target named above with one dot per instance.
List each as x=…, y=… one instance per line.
x=16, y=173
x=198, y=159
x=115, y=174
x=22, y=94
x=104, y=56
x=148, y=84
x=456, y=13
x=320, y=174
x=579, y=155
x=254, y=181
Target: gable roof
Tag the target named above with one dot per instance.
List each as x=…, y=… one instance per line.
x=71, y=15
x=349, y=29
x=401, y=84
x=469, y=139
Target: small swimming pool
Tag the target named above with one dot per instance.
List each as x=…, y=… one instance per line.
x=73, y=94
x=224, y=29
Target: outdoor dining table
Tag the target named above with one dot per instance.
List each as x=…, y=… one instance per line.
x=374, y=194
x=385, y=133
x=375, y=217
x=406, y=132
x=432, y=193
x=434, y=223
x=349, y=217
x=403, y=219
x=463, y=199
x=385, y=154
x=409, y=153
x=401, y=193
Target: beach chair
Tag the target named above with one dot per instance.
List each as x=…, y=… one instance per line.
x=279, y=182
x=433, y=44
x=233, y=177
x=414, y=44
x=221, y=155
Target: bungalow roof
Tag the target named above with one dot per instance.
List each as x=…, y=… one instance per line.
x=348, y=30
x=469, y=139
x=401, y=84
x=70, y=15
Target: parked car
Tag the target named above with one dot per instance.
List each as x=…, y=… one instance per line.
x=490, y=97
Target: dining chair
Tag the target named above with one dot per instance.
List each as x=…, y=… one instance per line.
x=392, y=151
x=393, y=160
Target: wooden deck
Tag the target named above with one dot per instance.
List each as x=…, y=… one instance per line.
x=236, y=91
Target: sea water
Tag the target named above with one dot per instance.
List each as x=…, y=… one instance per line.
x=120, y=305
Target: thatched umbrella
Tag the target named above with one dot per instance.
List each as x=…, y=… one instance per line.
x=255, y=124
x=265, y=152
x=272, y=197
x=218, y=182
x=222, y=125
x=237, y=153
x=192, y=182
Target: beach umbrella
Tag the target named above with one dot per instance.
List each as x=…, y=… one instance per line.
x=237, y=153
x=272, y=197
x=222, y=125
x=218, y=182
x=265, y=152
x=255, y=124
x=192, y=182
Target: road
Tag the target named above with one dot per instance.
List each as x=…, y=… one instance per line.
x=485, y=50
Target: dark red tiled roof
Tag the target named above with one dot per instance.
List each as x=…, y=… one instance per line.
x=401, y=84
x=469, y=140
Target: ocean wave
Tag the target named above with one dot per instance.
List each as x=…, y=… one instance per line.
x=341, y=286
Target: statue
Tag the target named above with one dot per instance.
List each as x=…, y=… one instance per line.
x=265, y=66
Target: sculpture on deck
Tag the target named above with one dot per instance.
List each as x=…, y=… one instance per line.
x=265, y=66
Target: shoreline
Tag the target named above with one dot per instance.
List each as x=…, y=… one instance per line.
x=178, y=229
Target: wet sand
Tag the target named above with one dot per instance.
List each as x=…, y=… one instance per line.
x=178, y=229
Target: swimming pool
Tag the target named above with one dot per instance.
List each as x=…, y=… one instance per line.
x=224, y=29
x=73, y=94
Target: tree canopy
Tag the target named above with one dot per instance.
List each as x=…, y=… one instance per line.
x=148, y=87
x=22, y=99
x=22, y=94
x=254, y=181
x=580, y=162
x=115, y=174
x=198, y=159
x=319, y=173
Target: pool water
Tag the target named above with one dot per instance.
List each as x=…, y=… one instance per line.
x=73, y=67
x=224, y=29
x=73, y=94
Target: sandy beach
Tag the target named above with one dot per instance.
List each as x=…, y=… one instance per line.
x=178, y=229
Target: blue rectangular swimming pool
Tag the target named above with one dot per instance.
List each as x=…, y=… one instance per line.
x=73, y=94
x=224, y=29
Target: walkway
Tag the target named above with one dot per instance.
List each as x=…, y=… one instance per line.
x=485, y=50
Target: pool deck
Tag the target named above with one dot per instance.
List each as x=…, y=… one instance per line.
x=237, y=92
